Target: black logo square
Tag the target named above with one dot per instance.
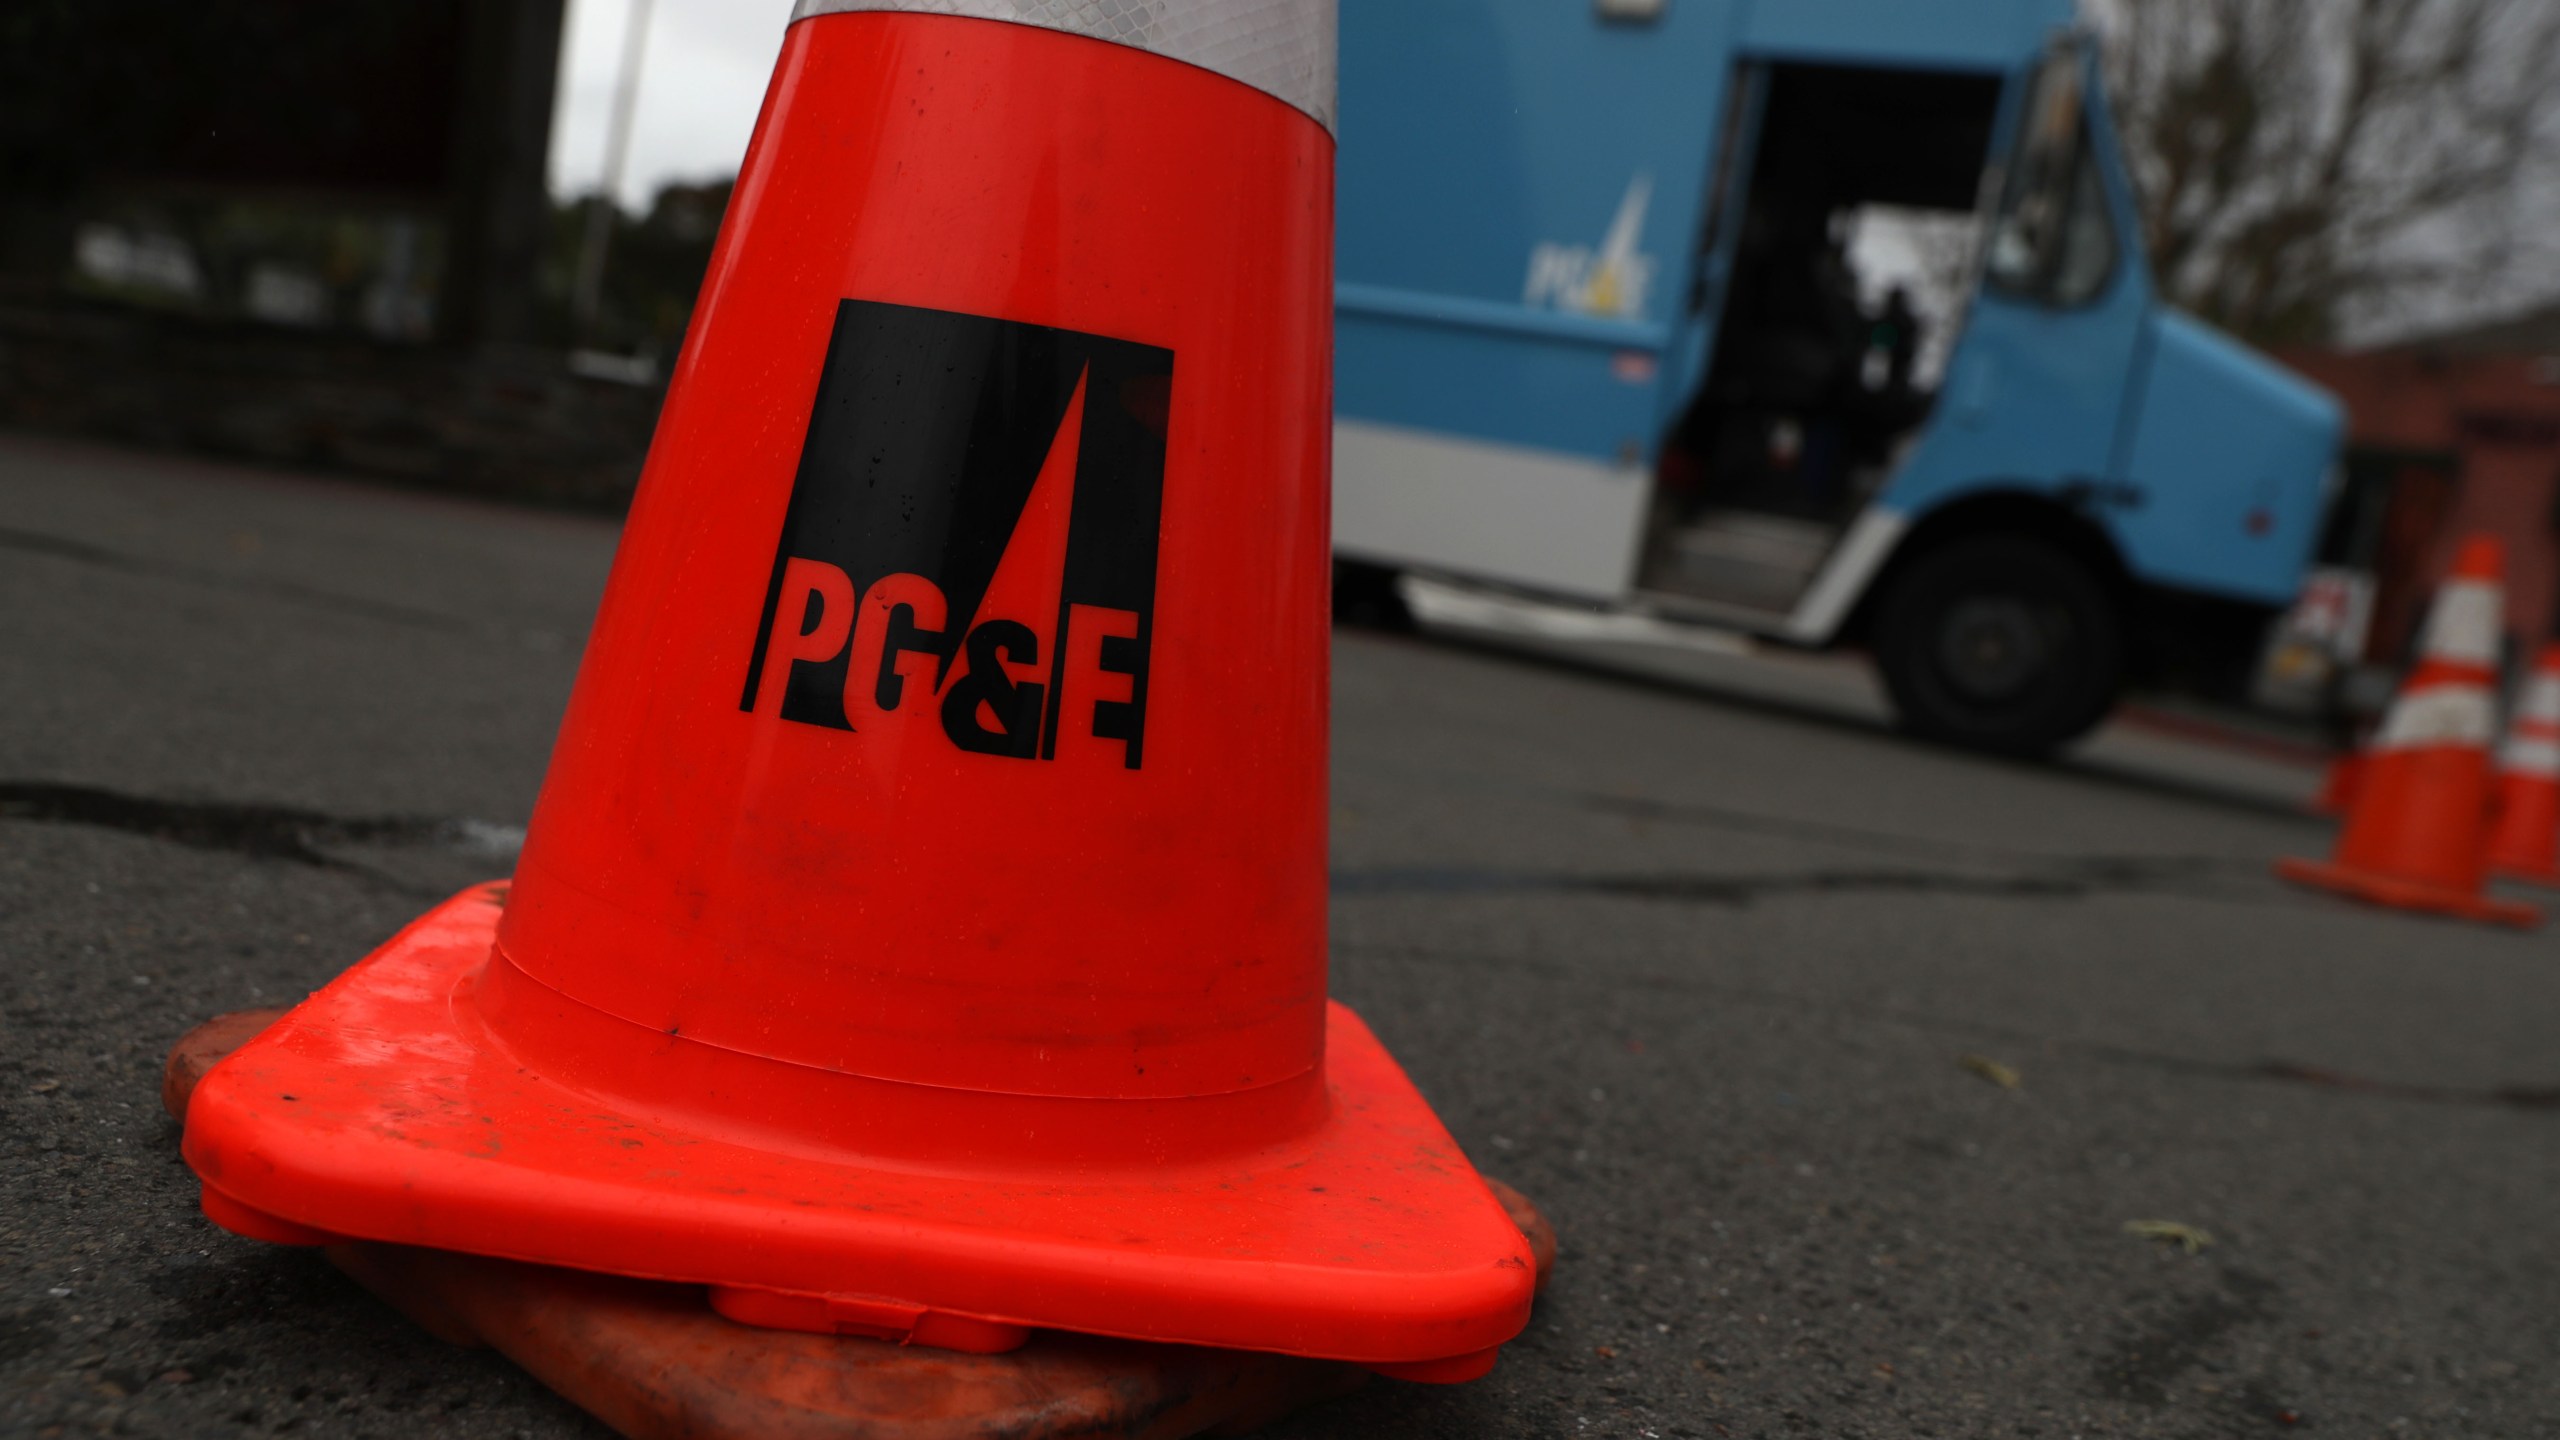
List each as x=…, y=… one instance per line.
x=975, y=517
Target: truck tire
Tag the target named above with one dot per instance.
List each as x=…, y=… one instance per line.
x=2002, y=642
x=1368, y=597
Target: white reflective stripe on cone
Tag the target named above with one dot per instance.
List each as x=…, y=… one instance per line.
x=2465, y=622
x=1283, y=48
x=2439, y=715
x=2540, y=702
x=2526, y=755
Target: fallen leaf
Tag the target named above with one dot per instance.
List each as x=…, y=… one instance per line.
x=1991, y=1070
x=2169, y=1232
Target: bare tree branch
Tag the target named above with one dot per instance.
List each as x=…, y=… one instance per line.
x=2307, y=165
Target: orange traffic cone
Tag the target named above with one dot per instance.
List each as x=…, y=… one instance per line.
x=2338, y=787
x=2415, y=837
x=921, y=933
x=2524, y=836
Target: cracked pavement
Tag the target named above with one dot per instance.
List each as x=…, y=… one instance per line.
x=1692, y=958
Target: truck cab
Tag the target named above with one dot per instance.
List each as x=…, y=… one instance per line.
x=1823, y=320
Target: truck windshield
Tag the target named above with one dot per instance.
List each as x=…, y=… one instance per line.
x=2052, y=240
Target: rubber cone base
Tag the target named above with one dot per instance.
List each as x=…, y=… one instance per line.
x=651, y=1360
x=2378, y=889
x=387, y=1107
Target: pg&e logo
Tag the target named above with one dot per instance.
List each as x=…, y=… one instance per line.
x=971, y=539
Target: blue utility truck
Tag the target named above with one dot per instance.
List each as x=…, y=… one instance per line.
x=1825, y=320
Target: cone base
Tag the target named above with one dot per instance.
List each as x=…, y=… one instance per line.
x=2379, y=889
x=650, y=1359
x=381, y=1109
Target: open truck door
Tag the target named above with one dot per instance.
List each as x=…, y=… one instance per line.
x=2015, y=638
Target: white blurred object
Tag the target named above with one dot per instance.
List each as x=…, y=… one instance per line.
x=1929, y=255
x=285, y=295
x=2316, y=642
x=149, y=261
x=1469, y=608
x=619, y=369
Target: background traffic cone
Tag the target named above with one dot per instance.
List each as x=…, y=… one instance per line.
x=2416, y=835
x=921, y=932
x=2524, y=834
x=2338, y=787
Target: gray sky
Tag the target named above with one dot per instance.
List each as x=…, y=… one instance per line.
x=703, y=78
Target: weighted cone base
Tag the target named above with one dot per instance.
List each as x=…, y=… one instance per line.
x=652, y=1360
x=390, y=1107
x=2379, y=889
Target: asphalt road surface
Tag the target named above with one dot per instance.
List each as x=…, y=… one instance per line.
x=1693, y=959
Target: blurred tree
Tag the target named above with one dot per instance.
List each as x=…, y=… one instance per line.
x=655, y=272
x=2308, y=166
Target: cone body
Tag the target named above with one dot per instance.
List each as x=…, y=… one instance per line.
x=2524, y=838
x=921, y=930
x=2415, y=832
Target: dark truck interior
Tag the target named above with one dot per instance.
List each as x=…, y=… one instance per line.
x=1817, y=378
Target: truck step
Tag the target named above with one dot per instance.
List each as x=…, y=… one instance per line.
x=1741, y=558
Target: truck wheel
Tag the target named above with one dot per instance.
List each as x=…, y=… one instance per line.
x=2003, y=643
x=1367, y=596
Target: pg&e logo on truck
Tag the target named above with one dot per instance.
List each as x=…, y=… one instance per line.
x=971, y=539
